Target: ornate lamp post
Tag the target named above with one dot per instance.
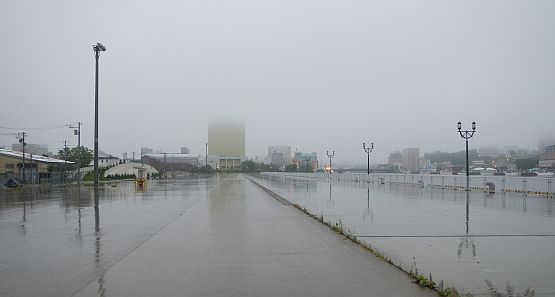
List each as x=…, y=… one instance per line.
x=330, y=156
x=368, y=150
x=467, y=134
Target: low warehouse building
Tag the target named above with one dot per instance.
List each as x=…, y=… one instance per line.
x=36, y=167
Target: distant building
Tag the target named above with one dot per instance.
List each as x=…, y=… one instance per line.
x=547, y=164
x=173, y=162
x=395, y=159
x=185, y=150
x=146, y=150
x=428, y=167
x=410, y=158
x=105, y=160
x=304, y=160
x=548, y=158
x=36, y=166
x=226, y=139
x=32, y=148
x=279, y=155
x=549, y=152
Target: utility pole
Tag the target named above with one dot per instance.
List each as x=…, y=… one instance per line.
x=65, y=161
x=165, y=169
x=65, y=152
x=206, y=155
x=78, y=133
x=21, y=137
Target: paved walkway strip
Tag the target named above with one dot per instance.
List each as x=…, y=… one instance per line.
x=239, y=242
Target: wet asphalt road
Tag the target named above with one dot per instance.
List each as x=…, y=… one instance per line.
x=219, y=236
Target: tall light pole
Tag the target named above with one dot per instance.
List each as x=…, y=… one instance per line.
x=78, y=133
x=330, y=156
x=97, y=49
x=467, y=134
x=206, y=155
x=368, y=150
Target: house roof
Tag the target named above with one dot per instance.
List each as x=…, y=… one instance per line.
x=35, y=158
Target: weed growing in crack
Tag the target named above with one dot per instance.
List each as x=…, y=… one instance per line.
x=509, y=291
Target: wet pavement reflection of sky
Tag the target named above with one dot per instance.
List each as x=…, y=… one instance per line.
x=53, y=243
x=500, y=238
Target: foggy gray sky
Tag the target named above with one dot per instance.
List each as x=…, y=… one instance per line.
x=312, y=74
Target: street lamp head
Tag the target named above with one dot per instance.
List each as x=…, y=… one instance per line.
x=459, y=125
x=99, y=47
x=473, y=125
x=372, y=145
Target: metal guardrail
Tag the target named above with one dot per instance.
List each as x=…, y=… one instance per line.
x=538, y=186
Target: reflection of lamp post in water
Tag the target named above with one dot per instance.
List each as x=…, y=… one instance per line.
x=368, y=212
x=468, y=241
x=467, y=134
x=368, y=196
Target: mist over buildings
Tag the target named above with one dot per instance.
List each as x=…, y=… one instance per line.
x=313, y=75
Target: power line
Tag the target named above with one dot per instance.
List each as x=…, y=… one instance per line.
x=36, y=128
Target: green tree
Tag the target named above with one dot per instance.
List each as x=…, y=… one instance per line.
x=458, y=158
x=249, y=166
x=307, y=168
x=291, y=167
x=73, y=154
x=528, y=163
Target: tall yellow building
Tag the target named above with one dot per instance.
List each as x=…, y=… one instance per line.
x=226, y=140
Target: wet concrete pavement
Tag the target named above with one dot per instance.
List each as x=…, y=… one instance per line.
x=52, y=244
x=501, y=238
x=219, y=236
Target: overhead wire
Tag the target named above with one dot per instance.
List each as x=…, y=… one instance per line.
x=36, y=128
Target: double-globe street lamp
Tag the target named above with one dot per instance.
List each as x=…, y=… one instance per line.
x=467, y=134
x=330, y=156
x=368, y=150
x=97, y=49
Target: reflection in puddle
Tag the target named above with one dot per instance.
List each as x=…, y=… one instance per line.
x=467, y=242
x=427, y=223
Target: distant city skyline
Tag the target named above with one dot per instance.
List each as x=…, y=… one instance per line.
x=316, y=76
